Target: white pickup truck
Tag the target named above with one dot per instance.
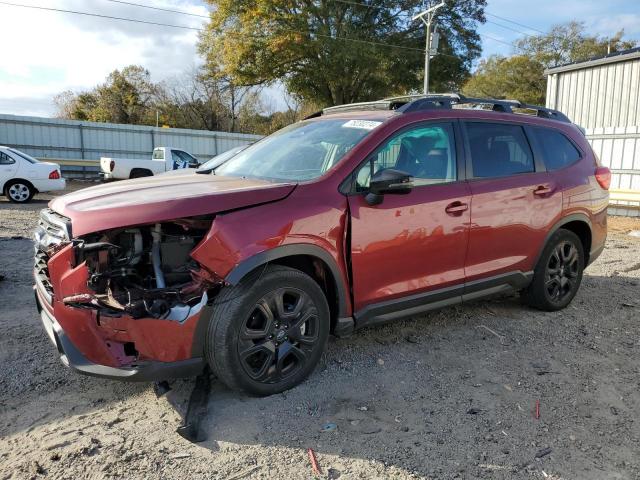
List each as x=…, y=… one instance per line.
x=163, y=159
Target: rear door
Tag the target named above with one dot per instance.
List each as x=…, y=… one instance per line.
x=8, y=168
x=514, y=200
x=414, y=243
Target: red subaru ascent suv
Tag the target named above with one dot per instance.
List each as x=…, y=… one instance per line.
x=360, y=214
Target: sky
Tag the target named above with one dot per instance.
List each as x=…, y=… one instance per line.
x=44, y=53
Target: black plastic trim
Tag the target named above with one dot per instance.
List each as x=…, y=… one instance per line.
x=581, y=217
x=262, y=258
x=389, y=310
x=344, y=327
x=497, y=284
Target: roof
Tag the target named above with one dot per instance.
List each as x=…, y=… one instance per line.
x=615, y=57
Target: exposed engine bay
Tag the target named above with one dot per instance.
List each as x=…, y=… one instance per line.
x=146, y=271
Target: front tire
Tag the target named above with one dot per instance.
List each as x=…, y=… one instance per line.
x=558, y=274
x=19, y=191
x=267, y=333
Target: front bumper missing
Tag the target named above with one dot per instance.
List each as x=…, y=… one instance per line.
x=142, y=372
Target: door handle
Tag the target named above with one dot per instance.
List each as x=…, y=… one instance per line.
x=542, y=190
x=456, y=208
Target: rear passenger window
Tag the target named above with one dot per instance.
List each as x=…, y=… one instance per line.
x=498, y=150
x=557, y=149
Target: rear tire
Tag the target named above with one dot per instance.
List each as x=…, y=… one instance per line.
x=558, y=274
x=19, y=191
x=267, y=333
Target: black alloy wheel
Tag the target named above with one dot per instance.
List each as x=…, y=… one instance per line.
x=267, y=333
x=279, y=335
x=563, y=269
x=558, y=273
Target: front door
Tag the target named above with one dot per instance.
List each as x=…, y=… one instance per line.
x=415, y=243
x=514, y=201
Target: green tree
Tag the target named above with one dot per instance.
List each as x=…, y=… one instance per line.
x=127, y=96
x=521, y=76
x=304, y=44
x=568, y=43
x=517, y=77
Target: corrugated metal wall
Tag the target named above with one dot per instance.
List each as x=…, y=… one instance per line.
x=48, y=138
x=604, y=99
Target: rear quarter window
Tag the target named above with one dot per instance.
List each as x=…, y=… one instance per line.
x=558, y=150
x=6, y=159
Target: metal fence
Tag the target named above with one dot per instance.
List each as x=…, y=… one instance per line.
x=77, y=146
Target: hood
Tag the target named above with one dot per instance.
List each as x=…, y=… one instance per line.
x=180, y=172
x=162, y=198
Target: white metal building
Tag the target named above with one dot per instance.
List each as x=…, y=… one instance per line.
x=602, y=95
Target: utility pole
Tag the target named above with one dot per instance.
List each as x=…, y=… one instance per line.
x=427, y=18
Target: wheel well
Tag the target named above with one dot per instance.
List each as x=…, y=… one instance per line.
x=146, y=171
x=321, y=273
x=583, y=231
x=22, y=180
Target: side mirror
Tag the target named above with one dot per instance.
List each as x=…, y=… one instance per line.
x=388, y=181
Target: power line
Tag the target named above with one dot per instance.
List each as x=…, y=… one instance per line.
x=98, y=15
x=495, y=39
x=509, y=28
x=179, y=12
x=124, y=19
x=515, y=23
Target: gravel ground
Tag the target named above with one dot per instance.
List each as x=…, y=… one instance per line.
x=451, y=394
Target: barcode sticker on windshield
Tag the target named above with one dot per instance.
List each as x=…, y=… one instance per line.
x=363, y=124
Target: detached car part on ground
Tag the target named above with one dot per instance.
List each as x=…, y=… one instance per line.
x=357, y=216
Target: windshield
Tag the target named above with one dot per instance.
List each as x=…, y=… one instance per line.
x=220, y=159
x=28, y=158
x=299, y=152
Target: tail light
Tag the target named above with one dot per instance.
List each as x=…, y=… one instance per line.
x=112, y=165
x=55, y=175
x=603, y=176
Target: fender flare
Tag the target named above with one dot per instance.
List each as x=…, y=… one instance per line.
x=579, y=217
x=262, y=258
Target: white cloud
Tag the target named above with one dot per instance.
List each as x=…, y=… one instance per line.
x=54, y=51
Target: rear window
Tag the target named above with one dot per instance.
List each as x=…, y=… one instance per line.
x=557, y=149
x=158, y=154
x=498, y=150
x=28, y=158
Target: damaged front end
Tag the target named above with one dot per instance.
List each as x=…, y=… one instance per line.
x=146, y=271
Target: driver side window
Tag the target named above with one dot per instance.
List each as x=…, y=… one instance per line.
x=425, y=152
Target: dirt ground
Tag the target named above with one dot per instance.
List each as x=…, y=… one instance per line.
x=451, y=394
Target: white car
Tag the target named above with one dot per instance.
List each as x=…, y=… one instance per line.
x=22, y=176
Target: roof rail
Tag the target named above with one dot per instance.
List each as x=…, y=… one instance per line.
x=414, y=103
